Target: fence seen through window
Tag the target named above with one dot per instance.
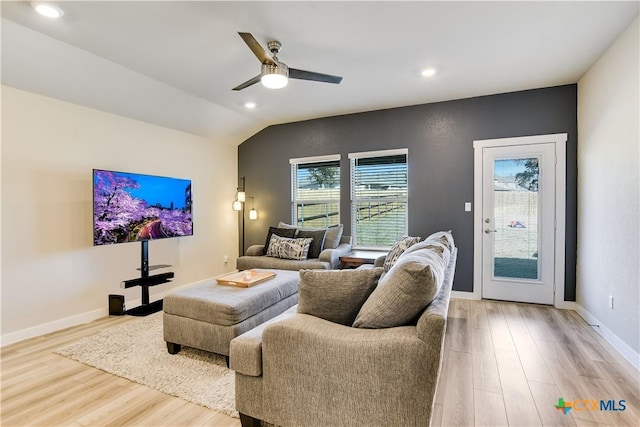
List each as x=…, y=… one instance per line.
x=316, y=193
x=379, y=197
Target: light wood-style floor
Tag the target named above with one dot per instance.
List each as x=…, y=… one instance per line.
x=504, y=364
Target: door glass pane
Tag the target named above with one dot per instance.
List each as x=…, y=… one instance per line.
x=516, y=210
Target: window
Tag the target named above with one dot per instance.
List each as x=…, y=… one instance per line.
x=379, y=197
x=315, y=191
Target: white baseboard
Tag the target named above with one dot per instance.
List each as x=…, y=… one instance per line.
x=620, y=346
x=79, y=319
x=464, y=295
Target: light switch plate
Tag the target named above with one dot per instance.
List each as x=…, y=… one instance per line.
x=467, y=206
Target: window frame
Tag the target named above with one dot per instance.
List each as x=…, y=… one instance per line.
x=354, y=201
x=294, y=163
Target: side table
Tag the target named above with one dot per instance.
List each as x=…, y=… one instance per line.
x=356, y=258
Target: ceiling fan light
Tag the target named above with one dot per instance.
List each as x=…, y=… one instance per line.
x=274, y=76
x=47, y=9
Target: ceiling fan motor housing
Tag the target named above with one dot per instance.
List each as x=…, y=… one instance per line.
x=280, y=68
x=274, y=76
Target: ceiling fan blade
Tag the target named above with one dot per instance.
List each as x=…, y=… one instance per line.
x=248, y=83
x=257, y=49
x=310, y=75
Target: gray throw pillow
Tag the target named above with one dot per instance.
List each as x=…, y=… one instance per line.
x=404, y=292
x=285, y=248
x=397, y=249
x=282, y=232
x=316, y=244
x=335, y=295
x=334, y=234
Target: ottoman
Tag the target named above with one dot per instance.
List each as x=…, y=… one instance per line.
x=209, y=316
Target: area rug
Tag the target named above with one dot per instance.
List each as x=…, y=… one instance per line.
x=136, y=351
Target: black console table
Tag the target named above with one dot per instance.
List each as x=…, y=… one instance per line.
x=145, y=281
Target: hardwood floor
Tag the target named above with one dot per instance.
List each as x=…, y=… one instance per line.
x=504, y=364
x=507, y=364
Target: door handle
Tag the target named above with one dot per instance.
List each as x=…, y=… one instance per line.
x=487, y=231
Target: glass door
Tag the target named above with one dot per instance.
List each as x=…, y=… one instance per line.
x=518, y=194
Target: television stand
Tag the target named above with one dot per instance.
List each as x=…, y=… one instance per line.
x=145, y=281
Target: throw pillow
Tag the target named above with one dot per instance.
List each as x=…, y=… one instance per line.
x=316, y=244
x=282, y=232
x=404, y=292
x=334, y=234
x=285, y=248
x=435, y=245
x=445, y=237
x=397, y=249
x=332, y=237
x=336, y=295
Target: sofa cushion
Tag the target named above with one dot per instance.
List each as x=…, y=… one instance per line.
x=336, y=295
x=283, y=247
x=316, y=244
x=402, y=294
x=282, y=232
x=397, y=249
x=271, y=263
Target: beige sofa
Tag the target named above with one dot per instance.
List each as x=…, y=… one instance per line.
x=328, y=258
x=298, y=369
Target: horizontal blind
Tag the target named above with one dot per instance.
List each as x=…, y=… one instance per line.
x=316, y=193
x=379, y=190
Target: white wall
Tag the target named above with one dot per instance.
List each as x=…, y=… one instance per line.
x=52, y=276
x=608, y=194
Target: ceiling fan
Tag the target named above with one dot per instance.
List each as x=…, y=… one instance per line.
x=274, y=73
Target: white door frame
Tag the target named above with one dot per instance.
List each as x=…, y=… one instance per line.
x=560, y=141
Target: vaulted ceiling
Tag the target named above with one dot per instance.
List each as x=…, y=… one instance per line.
x=174, y=63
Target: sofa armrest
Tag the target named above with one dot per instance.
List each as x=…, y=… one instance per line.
x=332, y=256
x=245, y=351
x=255, y=250
x=346, y=368
x=379, y=262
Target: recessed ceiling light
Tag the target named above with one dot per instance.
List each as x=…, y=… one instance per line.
x=47, y=9
x=428, y=72
x=250, y=105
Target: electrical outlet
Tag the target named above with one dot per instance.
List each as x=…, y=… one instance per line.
x=611, y=302
x=226, y=259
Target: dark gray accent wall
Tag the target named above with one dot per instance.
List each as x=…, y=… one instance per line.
x=439, y=137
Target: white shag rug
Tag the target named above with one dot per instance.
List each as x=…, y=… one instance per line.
x=137, y=351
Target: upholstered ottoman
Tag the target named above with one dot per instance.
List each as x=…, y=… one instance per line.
x=209, y=316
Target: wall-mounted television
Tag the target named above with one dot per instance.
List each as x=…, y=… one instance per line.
x=131, y=207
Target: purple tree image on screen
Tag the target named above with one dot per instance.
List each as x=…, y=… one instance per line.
x=130, y=207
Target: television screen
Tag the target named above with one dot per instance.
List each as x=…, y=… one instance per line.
x=130, y=207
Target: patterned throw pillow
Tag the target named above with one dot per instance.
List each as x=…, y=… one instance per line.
x=445, y=237
x=278, y=231
x=397, y=249
x=285, y=248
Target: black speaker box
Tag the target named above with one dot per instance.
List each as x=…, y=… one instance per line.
x=116, y=305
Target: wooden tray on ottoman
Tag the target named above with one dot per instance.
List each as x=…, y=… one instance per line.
x=245, y=279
